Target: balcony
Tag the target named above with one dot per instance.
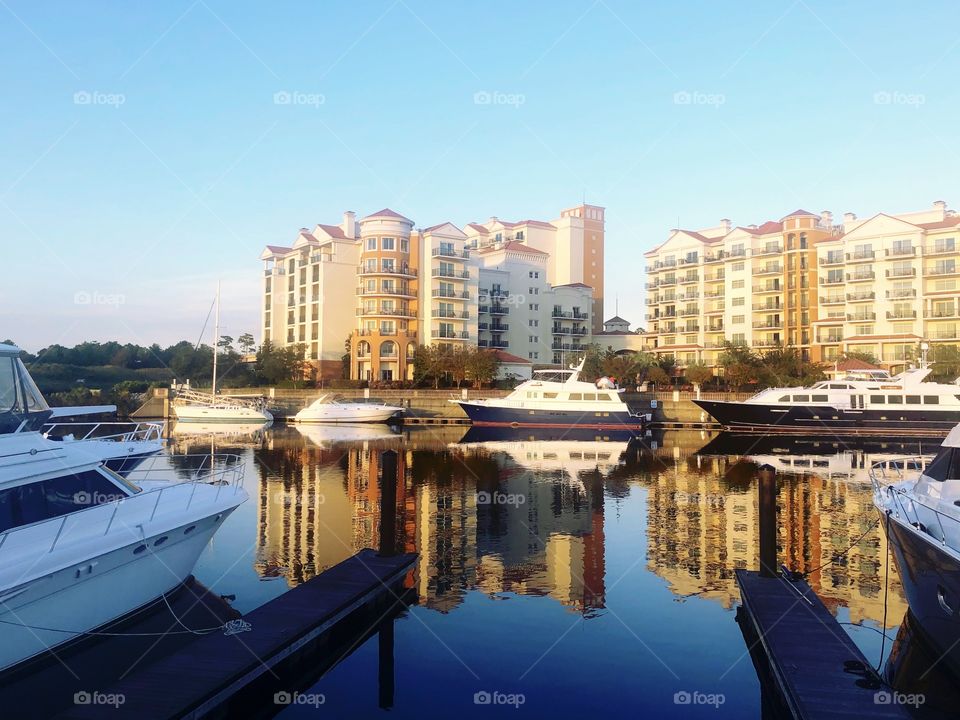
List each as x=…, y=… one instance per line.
x=579, y=315
x=939, y=250
x=498, y=310
x=861, y=296
x=713, y=310
x=938, y=313
x=451, y=334
x=861, y=256
x=561, y=314
x=763, y=289
x=452, y=274
x=831, y=281
x=453, y=294
x=768, y=270
x=688, y=295
x=835, y=260
x=895, y=294
x=707, y=258
x=449, y=252
x=860, y=277
x=943, y=335
x=653, y=285
x=767, y=307
x=566, y=346
x=862, y=317
x=771, y=250
x=689, y=312
x=560, y=330
x=498, y=328
x=830, y=338
x=902, y=272
x=766, y=343
x=901, y=315
x=455, y=314
x=767, y=324
x=668, y=281
x=499, y=343
x=392, y=292
x=901, y=252
x=713, y=277
x=408, y=272
x=689, y=279
x=388, y=312
x=942, y=270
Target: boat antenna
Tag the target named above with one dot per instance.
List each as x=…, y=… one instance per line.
x=924, y=347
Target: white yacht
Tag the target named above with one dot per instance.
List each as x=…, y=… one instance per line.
x=333, y=409
x=919, y=505
x=546, y=403
x=901, y=404
x=82, y=546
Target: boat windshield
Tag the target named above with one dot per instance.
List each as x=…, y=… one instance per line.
x=21, y=403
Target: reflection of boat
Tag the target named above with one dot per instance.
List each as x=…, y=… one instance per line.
x=903, y=404
x=121, y=446
x=913, y=669
x=851, y=466
x=508, y=434
x=80, y=546
x=571, y=457
x=740, y=444
x=542, y=402
x=326, y=435
x=920, y=512
x=333, y=409
x=219, y=429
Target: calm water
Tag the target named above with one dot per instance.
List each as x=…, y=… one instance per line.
x=598, y=583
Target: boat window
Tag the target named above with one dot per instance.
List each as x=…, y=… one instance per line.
x=913, y=399
x=589, y=396
x=946, y=466
x=33, y=502
x=894, y=399
x=549, y=396
x=820, y=398
x=878, y=399
x=801, y=398
x=603, y=396
x=931, y=400
x=785, y=398
x=576, y=396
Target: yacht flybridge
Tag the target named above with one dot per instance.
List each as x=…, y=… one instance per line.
x=875, y=404
x=542, y=402
x=80, y=545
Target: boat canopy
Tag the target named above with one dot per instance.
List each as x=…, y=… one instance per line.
x=22, y=406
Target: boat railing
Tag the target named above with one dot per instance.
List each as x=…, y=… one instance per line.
x=118, y=512
x=195, y=397
x=111, y=431
x=887, y=477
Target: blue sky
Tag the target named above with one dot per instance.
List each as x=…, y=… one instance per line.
x=143, y=155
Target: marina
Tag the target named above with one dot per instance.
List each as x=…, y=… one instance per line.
x=588, y=544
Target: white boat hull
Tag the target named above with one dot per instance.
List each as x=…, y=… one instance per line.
x=200, y=413
x=353, y=413
x=95, y=592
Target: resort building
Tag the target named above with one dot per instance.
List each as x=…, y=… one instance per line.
x=618, y=336
x=879, y=285
x=516, y=287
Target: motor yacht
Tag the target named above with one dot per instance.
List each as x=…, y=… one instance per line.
x=877, y=404
x=544, y=402
x=919, y=504
x=333, y=409
x=80, y=545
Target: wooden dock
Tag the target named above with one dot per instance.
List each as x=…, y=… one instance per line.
x=203, y=677
x=816, y=670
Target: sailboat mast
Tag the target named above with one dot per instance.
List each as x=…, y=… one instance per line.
x=216, y=340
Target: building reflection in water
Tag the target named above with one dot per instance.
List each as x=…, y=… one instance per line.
x=319, y=503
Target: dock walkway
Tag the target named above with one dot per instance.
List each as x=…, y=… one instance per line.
x=201, y=678
x=816, y=668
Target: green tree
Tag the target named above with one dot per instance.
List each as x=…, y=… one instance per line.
x=657, y=375
x=481, y=366
x=246, y=343
x=698, y=374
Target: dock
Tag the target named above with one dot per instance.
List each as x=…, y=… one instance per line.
x=206, y=676
x=815, y=669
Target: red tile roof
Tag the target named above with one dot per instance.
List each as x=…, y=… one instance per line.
x=941, y=224
x=581, y=285
x=279, y=249
x=515, y=246
x=308, y=235
x=848, y=364
x=333, y=231
x=767, y=228
x=509, y=358
x=387, y=212
x=478, y=228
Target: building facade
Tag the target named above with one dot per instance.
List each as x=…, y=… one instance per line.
x=514, y=287
x=879, y=285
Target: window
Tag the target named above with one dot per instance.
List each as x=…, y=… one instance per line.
x=784, y=398
x=34, y=502
x=576, y=396
x=801, y=398
x=738, y=339
x=387, y=244
x=737, y=319
x=737, y=266
x=737, y=302
x=931, y=400
x=589, y=396
x=602, y=396
x=877, y=399
x=549, y=396
x=913, y=399
x=738, y=284
x=371, y=243
x=404, y=245
x=895, y=399
x=819, y=398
